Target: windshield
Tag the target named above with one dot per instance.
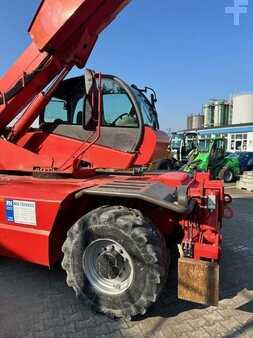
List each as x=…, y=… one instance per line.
x=191, y=143
x=204, y=146
x=118, y=109
x=148, y=112
x=176, y=141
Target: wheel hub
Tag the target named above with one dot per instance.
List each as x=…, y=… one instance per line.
x=108, y=267
x=228, y=176
x=109, y=264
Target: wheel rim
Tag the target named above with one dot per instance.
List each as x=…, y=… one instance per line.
x=228, y=176
x=108, y=267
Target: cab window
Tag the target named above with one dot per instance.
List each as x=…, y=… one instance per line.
x=78, y=112
x=56, y=111
x=148, y=113
x=217, y=150
x=118, y=110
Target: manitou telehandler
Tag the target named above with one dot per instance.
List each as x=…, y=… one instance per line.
x=75, y=184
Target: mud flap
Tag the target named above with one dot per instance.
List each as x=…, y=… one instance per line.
x=198, y=281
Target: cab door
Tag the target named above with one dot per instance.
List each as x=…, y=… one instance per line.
x=73, y=112
x=121, y=125
x=217, y=153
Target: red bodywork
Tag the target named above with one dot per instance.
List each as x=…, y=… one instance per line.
x=64, y=34
x=63, y=148
x=57, y=209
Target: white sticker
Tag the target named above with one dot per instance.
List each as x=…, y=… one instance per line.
x=24, y=212
x=211, y=202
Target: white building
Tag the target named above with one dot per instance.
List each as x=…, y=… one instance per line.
x=239, y=137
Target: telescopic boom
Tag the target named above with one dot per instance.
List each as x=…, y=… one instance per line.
x=63, y=36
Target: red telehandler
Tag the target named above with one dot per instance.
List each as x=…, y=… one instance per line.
x=75, y=183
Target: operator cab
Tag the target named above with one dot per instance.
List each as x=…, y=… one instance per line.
x=126, y=112
x=182, y=144
x=215, y=146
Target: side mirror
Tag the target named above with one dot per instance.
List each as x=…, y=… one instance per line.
x=91, y=101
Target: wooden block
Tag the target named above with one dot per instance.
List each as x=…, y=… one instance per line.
x=198, y=281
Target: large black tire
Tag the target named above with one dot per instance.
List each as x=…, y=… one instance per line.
x=144, y=246
x=227, y=175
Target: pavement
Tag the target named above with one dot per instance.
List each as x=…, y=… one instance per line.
x=35, y=302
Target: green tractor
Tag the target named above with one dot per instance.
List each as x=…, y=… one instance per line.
x=210, y=155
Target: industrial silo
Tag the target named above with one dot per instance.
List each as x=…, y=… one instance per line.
x=219, y=113
x=197, y=121
x=201, y=119
x=208, y=112
x=242, y=109
x=205, y=111
x=230, y=113
x=227, y=113
x=189, y=122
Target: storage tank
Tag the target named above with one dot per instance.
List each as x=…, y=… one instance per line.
x=197, y=121
x=230, y=114
x=242, y=109
x=221, y=113
x=227, y=114
x=201, y=119
x=218, y=109
x=189, y=122
x=208, y=112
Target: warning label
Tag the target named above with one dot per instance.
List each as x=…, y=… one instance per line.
x=21, y=212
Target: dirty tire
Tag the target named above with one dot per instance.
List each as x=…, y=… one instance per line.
x=227, y=175
x=142, y=242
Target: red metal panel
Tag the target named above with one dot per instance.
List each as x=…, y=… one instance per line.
x=56, y=20
x=63, y=148
x=154, y=146
x=27, y=242
x=29, y=245
x=14, y=157
x=175, y=179
x=24, y=241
